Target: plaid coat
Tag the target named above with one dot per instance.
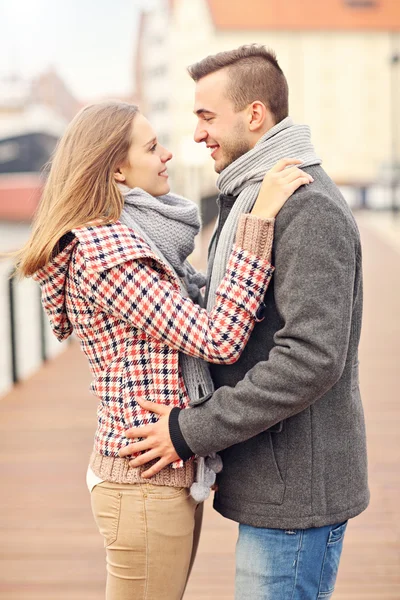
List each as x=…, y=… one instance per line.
x=124, y=305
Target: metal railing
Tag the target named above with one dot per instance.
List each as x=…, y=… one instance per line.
x=13, y=340
x=28, y=340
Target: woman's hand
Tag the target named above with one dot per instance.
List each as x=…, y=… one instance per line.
x=278, y=185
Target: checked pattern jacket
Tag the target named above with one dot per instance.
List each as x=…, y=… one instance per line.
x=124, y=305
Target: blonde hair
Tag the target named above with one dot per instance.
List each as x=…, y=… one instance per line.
x=80, y=187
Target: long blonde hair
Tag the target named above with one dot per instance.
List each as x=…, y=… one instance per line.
x=80, y=187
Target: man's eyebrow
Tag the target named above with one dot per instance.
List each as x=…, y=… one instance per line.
x=150, y=142
x=201, y=111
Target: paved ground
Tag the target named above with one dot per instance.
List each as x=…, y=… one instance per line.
x=50, y=549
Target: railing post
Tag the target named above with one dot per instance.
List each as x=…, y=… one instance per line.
x=363, y=197
x=13, y=337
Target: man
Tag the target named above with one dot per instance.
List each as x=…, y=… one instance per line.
x=287, y=418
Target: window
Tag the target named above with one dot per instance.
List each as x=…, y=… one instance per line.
x=158, y=71
x=159, y=106
x=8, y=151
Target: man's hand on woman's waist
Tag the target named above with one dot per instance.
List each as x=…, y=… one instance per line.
x=156, y=443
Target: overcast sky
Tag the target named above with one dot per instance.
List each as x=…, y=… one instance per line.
x=91, y=43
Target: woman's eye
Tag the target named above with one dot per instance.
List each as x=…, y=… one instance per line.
x=153, y=148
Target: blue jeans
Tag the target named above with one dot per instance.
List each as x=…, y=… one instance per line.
x=300, y=564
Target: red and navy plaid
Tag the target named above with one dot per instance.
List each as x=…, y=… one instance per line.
x=125, y=306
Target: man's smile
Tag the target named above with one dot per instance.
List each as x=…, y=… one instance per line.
x=214, y=148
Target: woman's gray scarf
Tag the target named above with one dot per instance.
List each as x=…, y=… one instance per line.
x=169, y=225
x=243, y=178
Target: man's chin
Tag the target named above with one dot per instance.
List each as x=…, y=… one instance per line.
x=219, y=166
x=230, y=157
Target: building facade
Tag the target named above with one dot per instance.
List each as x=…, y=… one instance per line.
x=339, y=57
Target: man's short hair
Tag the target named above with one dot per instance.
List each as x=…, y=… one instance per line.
x=254, y=74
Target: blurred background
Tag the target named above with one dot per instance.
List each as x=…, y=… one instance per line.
x=342, y=62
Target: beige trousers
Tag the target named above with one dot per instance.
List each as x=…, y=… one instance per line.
x=151, y=534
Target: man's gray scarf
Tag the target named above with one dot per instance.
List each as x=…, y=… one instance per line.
x=243, y=179
x=169, y=225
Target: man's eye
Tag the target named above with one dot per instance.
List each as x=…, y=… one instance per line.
x=207, y=118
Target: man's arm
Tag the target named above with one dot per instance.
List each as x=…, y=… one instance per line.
x=314, y=279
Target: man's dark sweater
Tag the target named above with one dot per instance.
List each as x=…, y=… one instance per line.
x=224, y=374
x=225, y=204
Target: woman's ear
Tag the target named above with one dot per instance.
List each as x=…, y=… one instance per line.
x=119, y=176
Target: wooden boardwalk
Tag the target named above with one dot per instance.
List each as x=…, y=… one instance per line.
x=50, y=548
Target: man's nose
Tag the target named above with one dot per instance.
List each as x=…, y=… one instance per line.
x=199, y=134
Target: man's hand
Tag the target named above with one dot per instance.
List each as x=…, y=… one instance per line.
x=157, y=442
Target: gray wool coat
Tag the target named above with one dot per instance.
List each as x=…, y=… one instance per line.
x=287, y=418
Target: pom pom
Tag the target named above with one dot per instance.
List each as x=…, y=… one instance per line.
x=209, y=478
x=199, y=492
x=214, y=462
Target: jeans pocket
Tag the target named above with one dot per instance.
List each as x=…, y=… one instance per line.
x=163, y=492
x=106, y=508
x=330, y=565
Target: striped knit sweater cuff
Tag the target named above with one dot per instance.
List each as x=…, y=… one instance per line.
x=256, y=235
x=179, y=442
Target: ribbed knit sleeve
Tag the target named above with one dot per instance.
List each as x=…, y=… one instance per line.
x=256, y=235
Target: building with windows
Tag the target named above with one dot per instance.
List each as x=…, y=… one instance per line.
x=340, y=58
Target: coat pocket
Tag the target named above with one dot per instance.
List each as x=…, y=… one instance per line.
x=255, y=470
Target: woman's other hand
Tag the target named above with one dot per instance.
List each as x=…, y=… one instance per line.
x=278, y=185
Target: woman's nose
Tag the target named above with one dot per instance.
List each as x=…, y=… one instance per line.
x=167, y=155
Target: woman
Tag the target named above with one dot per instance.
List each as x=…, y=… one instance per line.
x=109, y=251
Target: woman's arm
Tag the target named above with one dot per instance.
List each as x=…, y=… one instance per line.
x=136, y=292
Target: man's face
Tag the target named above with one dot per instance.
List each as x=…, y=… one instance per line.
x=222, y=129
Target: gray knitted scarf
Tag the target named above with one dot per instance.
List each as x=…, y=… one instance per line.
x=169, y=225
x=243, y=179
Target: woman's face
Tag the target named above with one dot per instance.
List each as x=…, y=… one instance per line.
x=146, y=163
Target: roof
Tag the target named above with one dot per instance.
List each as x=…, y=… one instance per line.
x=306, y=14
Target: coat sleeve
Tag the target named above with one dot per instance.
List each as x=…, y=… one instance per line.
x=137, y=293
x=315, y=261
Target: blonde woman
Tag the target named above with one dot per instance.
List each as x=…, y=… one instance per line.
x=109, y=246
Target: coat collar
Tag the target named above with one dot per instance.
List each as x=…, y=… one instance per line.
x=105, y=246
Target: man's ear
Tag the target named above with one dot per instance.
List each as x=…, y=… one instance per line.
x=119, y=176
x=258, y=116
